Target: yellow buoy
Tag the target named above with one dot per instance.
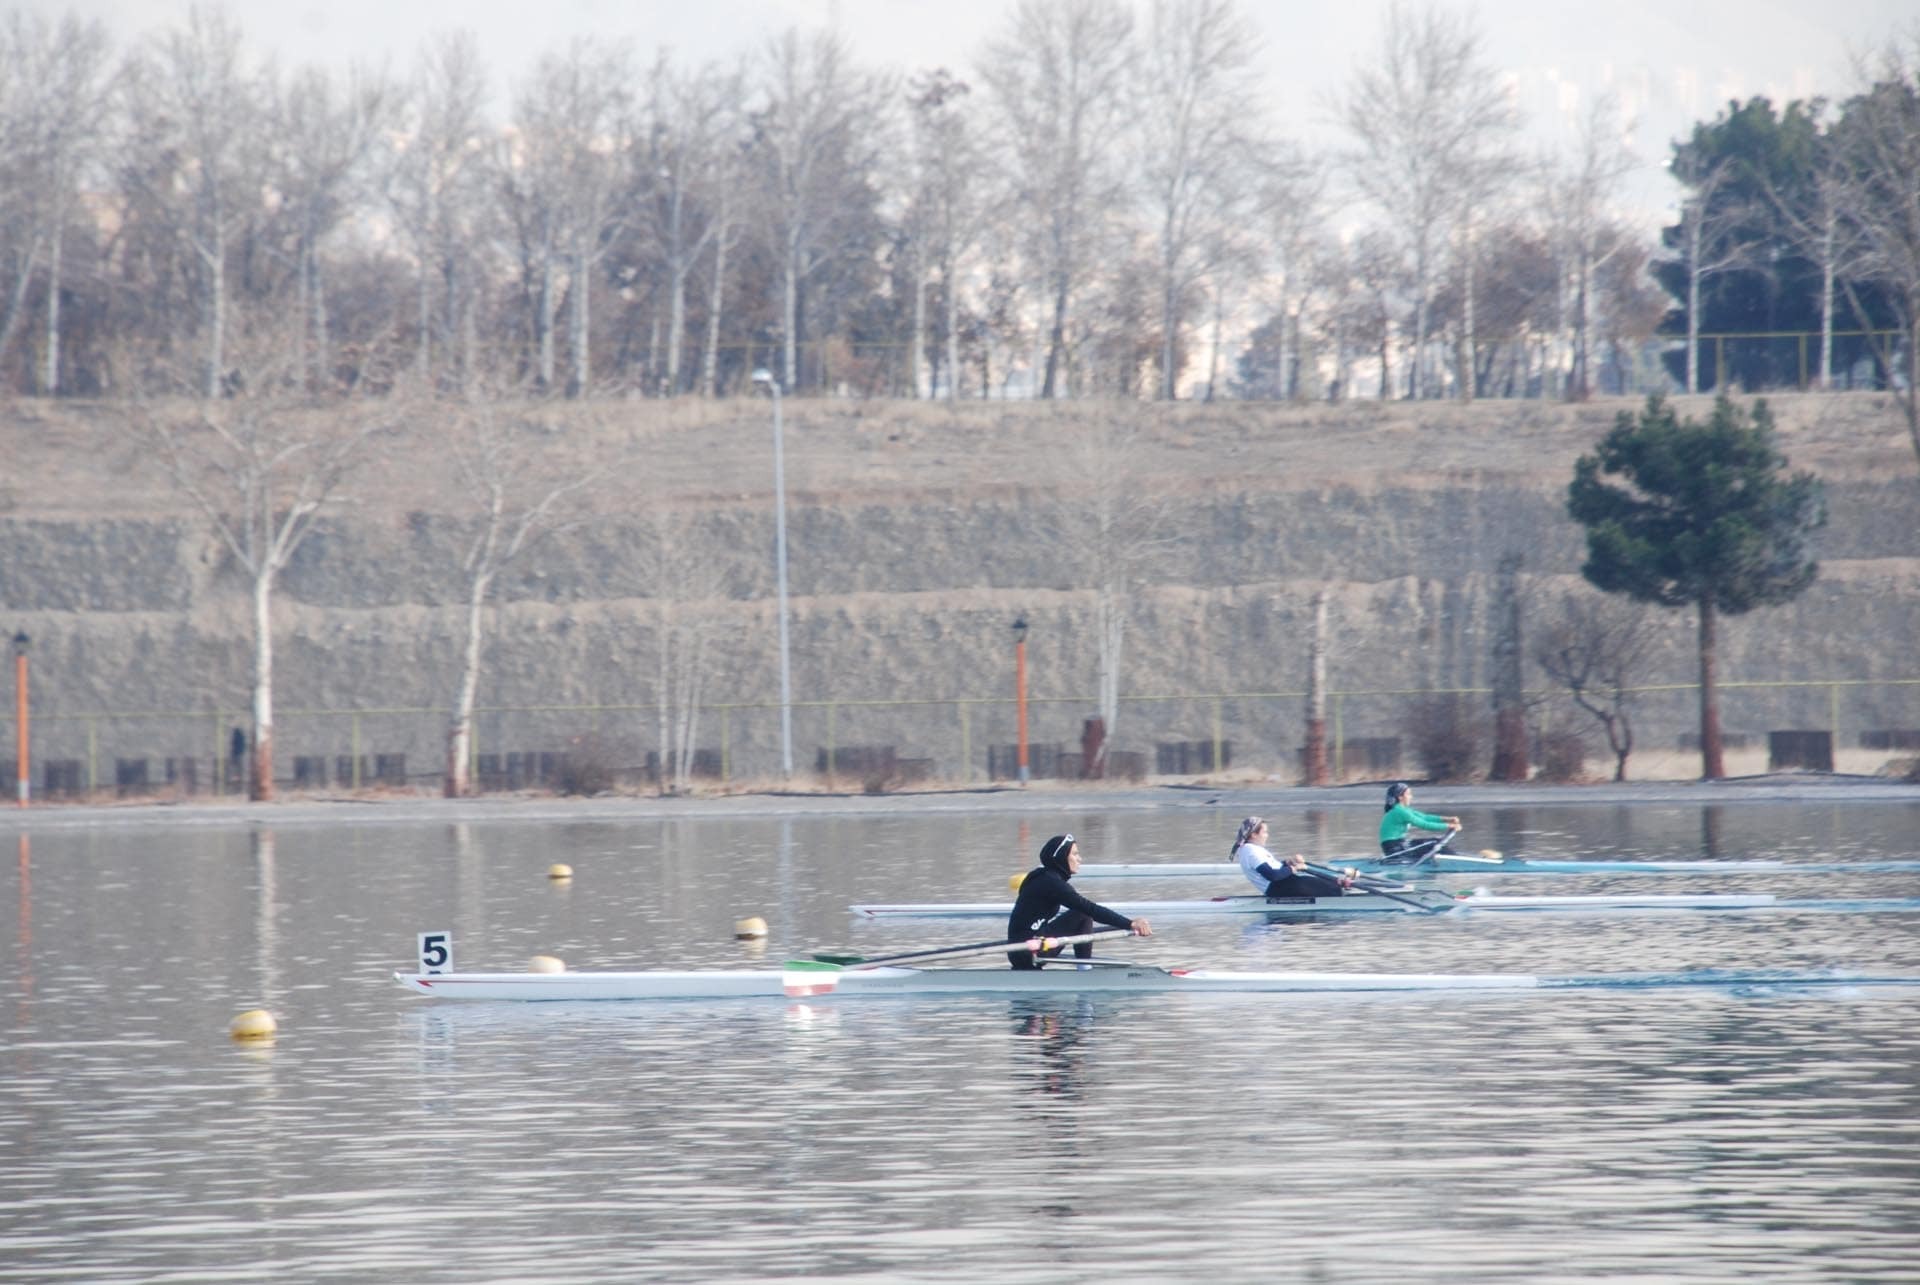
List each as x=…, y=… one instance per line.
x=254, y=1024
x=750, y=927
x=546, y=964
x=1014, y=881
x=559, y=870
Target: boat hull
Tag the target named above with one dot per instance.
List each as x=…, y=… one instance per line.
x=1465, y=863
x=1062, y=980
x=1355, y=903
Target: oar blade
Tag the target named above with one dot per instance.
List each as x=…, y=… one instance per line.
x=805, y=978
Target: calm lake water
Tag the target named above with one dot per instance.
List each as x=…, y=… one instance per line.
x=1679, y=1135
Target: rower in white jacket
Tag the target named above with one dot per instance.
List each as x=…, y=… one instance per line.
x=1289, y=878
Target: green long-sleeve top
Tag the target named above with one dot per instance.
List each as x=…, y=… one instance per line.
x=1400, y=818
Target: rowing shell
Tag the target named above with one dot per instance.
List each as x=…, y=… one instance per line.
x=1125, y=979
x=1463, y=863
x=1360, y=903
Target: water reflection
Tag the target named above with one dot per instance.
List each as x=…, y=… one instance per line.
x=23, y=937
x=1050, y=1043
x=1711, y=817
x=267, y=956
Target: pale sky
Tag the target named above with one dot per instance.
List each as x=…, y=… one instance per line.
x=1671, y=61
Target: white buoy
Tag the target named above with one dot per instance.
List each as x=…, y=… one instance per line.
x=749, y=928
x=560, y=870
x=254, y=1024
x=546, y=964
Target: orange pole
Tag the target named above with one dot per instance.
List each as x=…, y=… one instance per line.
x=1020, y=702
x=23, y=772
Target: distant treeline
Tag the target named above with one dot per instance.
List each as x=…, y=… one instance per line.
x=1097, y=205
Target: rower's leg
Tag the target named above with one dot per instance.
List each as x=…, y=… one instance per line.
x=1411, y=852
x=1304, y=883
x=1069, y=923
x=1395, y=852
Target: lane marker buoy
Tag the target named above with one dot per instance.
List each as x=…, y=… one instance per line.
x=254, y=1024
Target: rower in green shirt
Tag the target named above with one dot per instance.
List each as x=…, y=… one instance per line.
x=1402, y=817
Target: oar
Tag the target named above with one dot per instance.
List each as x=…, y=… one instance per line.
x=1380, y=889
x=1032, y=945
x=1429, y=848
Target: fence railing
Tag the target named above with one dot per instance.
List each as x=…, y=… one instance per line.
x=1864, y=725
x=1769, y=353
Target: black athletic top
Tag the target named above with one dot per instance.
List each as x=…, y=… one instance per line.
x=1043, y=894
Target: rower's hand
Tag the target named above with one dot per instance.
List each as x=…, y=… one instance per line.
x=1453, y=823
x=1296, y=863
x=1141, y=928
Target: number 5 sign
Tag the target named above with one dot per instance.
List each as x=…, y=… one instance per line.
x=436, y=952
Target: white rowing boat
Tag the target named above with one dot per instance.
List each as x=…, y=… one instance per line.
x=1466, y=863
x=813, y=981
x=1415, y=901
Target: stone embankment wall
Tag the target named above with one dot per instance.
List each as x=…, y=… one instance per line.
x=903, y=589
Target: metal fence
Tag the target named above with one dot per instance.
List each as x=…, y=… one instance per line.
x=1841, y=725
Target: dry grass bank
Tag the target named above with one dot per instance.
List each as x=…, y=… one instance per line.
x=66, y=459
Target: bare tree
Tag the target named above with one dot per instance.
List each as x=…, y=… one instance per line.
x=1314, y=753
x=1382, y=279
x=1349, y=317
x=263, y=466
x=521, y=490
x=437, y=188
x=1198, y=119
x=729, y=184
x=1487, y=175
x=51, y=92
x=950, y=208
x=689, y=579
x=1112, y=528
x=1578, y=199
x=323, y=139
x=1234, y=254
x=1710, y=242
x=821, y=124
x=1875, y=161
x=1595, y=648
x=684, y=176
x=1290, y=192
x=1058, y=78
x=1428, y=117
x=1632, y=303
x=573, y=120
x=192, y=97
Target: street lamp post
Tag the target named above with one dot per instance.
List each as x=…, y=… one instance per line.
x=23, y=772
x=1020, y=693
x=780, y=572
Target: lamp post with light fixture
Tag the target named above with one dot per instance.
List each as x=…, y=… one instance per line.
x=764, y=376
